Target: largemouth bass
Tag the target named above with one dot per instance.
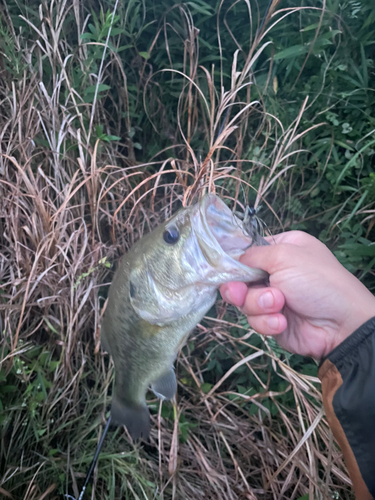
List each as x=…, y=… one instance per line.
x=161, y=290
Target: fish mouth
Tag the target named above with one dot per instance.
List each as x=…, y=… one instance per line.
x=224, y=227
x=222, y=240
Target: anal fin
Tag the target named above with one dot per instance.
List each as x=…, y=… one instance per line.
x=165, y=387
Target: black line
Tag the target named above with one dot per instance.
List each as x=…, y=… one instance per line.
x=93, y=463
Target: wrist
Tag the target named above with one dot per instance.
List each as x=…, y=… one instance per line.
x=362, y=309
x=348, y=349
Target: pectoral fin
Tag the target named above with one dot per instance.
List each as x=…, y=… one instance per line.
x=104, y=343
x=166, y=386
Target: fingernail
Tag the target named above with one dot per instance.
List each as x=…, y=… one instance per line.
x=227, y=296
x=266, y=300
x=273, y=322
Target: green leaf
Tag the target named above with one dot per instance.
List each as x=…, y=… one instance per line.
x=358, y=249
x=145, y=55
x=9, y=388
x=200, y=9
x=310, y=27
x=353, y=160
x=253, y=409
x=124, y=47
x=87, y=36
x=167, y=412
x=328, y=34
x=206, y=387
x=101, y=88
x=50, y=326
x=53, y=365
x=294, y=51
x=116, y=31
x=112, y=138
x=39, y=397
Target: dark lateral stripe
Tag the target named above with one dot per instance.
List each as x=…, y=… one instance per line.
x=331, y=382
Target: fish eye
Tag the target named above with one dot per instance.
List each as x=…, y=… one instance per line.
x=171, y=235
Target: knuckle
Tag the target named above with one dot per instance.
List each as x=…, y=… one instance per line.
x=282, y=253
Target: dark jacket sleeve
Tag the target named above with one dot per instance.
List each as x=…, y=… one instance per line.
x=348, y=387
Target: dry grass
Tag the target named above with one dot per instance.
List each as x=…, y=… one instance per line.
x=66, y=212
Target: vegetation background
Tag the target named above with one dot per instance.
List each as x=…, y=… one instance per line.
x=113, y=114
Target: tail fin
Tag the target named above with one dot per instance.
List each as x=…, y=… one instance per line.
x=135, y=418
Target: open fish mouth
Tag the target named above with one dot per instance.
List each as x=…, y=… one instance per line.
x=222, y=240
x=224, y=227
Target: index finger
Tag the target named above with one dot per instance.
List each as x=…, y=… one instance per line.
x=298, y=238
x=284, y=250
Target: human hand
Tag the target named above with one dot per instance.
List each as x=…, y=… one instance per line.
x=312, y=304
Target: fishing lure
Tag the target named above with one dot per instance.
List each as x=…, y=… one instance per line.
x=252, y=225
